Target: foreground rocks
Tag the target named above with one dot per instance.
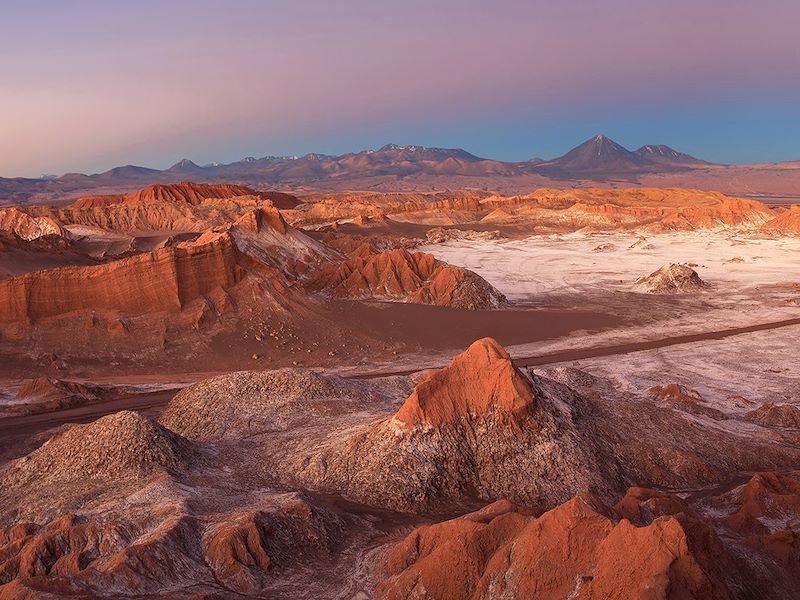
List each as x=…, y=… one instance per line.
x=649, y=544
x=275, y=483
x=478, y=428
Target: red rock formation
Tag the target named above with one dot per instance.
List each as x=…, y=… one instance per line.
x=476, y=429
x=653, y=209
x=729, y=212
x=164, y=280
x=577, y=550
x=687, y=400
x=237, y=550
x=767, y=498
x=167, y=553
x=262, y=218
x=480, y=381
x=45, y=393
x=786, y=222
x=97, y=201
x=197, y=193
x=26, y=226
x=775, y=415
x=408, y=277
x=186, y=192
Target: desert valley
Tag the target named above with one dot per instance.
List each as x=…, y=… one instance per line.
x=216, y=391
x=434, y=300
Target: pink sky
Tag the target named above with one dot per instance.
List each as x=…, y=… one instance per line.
x=87, y=85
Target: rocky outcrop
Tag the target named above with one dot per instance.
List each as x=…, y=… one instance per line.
x=180, y=207
x=648, y=209
x=97, y=201
x=581, y=549
x=787, y=222
x=480, y=382
x=478, y=428
x=169, y=553
x=47, y=393
x=404, y=276
x=770, y=414
x=197, y=193
x=28, y=227
x=735, y=213
x=440, y=235
x=164, y=280
x=684, y=399
x=671, y=279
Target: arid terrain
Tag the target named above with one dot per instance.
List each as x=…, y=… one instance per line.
x=213, y=389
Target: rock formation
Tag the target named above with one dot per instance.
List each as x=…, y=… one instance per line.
x=26, y=226
x=581, y=549
x=682, y=399
x=476, y=429
x=671, y=279
x=787, y=222
x=167, y=279
x=168, y=552
x=46, y=393
x=404, y=276
x=197, y=193
x=480, y=382
x=775, y=415
x=164, y=280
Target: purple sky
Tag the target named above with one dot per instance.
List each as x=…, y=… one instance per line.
x=87, y=85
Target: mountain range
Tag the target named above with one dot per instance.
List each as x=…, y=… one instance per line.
x=598, y=160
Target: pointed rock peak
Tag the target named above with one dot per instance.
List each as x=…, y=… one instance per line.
x=482, y=382
x=264, y=217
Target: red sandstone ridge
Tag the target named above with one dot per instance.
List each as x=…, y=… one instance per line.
x=769, y=501
x=480, y=381
x=408, y=277
x=581, y=550
x=197, y=193
x=786, y=222
x=164, y=280
x=652, y=209
x=97, y=201
x=174, y=207
x=167, y=279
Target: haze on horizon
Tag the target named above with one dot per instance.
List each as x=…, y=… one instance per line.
x=90, y=85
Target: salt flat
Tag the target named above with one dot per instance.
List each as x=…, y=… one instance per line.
x=575, y=262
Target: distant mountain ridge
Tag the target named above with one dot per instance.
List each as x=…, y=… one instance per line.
x=598, y=160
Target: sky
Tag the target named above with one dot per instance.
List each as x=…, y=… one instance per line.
x=86, y=85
